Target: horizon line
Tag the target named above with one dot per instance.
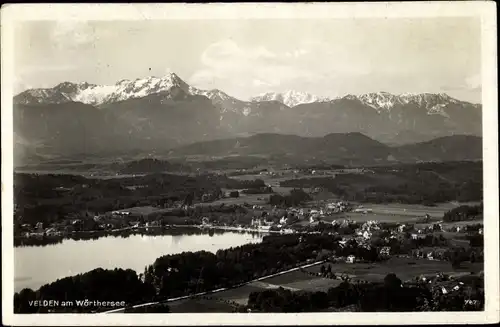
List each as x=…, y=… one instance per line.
x=251, y=99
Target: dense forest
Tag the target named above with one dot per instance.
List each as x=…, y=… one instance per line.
x=51, y=198
x=175, y=275
x=463, y=213
x=428, y=183
x=295, y=198
x=96, y=285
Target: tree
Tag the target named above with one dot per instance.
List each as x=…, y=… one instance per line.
x=391, y=281
x=456, y=260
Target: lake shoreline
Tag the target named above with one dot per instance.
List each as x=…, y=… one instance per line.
x=133, y=252
x=43, y=240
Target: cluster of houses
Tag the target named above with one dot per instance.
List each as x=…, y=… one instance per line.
x=384, y=252
x=86, y=221
x=342, y=222
x=308, y=171
x=443, y=284
x=261, y=224
x=314, y=215
x=464, y=229
x=366, y=230
x=362, y=209
x=434, y=254
x=27, y=230
x=337, y=207
x=56, y=229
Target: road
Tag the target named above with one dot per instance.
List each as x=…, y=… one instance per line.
x=215, y=291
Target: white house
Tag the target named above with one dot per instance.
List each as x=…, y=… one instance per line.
x=331, y=206
x=256, y=222
x=351, y=259
x=385, y=251
x=268, y=222
x=51, y=232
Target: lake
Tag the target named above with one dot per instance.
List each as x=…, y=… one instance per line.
x=35, y=266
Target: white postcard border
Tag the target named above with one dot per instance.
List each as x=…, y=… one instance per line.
x=486, y=10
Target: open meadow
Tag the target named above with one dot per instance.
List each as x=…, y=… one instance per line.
x=405, y=268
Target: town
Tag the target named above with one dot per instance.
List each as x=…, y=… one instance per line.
x=437, y=246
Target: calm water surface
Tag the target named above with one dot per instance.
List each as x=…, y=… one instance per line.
x=36, y=266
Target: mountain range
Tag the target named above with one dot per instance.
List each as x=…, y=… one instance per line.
x=161, y=113
x=342, y=148
x=290, y=98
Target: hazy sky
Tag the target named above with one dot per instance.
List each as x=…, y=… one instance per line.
x=326, y=57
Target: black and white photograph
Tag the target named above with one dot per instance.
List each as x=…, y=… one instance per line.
x=244, y=161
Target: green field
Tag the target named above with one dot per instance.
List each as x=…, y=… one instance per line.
x=291, y=277
x=414, y=210
x=404, y=268
x=295, y=281
x=145, y=210
x=395, y=212
x=314, y=284
x=243, y=198
x=360, y=217
x=308, y=280
x=238, y=295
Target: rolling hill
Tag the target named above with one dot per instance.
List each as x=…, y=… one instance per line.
x=337, y=147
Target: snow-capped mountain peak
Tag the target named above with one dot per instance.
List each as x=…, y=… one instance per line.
x=290, y=98
x=380, y=100
x=168, y=85
x=99, y=94
x=214, y=94
x=434, y=103
x=129, y=89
